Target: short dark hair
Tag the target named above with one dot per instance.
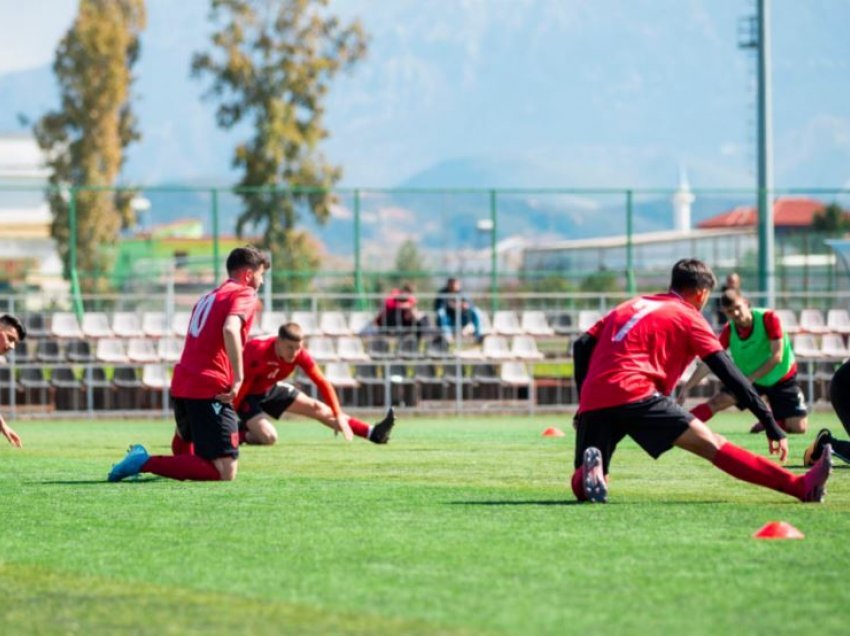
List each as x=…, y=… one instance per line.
x=291, y=331
x=730, y=296
x=690, y=274
x=247, y=256
x=8, y=320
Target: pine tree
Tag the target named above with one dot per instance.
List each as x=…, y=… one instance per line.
x=273, y=63
x=86, y=137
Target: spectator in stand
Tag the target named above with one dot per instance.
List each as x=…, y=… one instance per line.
x=456, y=312
x=733, y=281
x=400, y=314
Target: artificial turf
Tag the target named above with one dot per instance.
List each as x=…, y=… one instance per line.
x=459, y=525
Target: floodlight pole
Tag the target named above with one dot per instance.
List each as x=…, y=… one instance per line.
x=767, y=279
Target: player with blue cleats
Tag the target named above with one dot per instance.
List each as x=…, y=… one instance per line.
x=131, y=465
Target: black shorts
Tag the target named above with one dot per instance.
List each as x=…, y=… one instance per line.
x=786, y=399
x=839, y=394
x=210, y=425
x=654, y=424
x=273, y=402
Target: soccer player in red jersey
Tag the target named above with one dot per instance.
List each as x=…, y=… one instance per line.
x=12, y=331
x=207, y=380
x=264, y=396
x=762, y=351
x=626, y=367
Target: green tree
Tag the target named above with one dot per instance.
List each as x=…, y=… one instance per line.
x=85, y=138
x=601, y=281
x=272, y=63
x=410, y=267
x=831, y=219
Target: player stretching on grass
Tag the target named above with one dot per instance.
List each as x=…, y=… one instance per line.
x=12, y=331
x=762, y=351
x=839, y=395
x=626, y=367
x=262, y=396
x=206, y=380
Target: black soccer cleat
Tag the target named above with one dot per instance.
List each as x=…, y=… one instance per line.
x=381, y=431
x=814, y=450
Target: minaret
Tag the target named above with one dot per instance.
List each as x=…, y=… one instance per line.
x=682, y=200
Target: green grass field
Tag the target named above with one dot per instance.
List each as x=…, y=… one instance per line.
x=462, y=525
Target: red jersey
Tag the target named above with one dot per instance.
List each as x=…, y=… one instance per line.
x=773, y=327
x=643, y=347
x=264, y=368
x=204, y=369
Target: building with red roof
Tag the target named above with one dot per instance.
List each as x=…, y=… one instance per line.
x=789, y=214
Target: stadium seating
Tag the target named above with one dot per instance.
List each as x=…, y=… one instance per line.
x=169, y=349
x=408, y=347
x=358, y=321
x=33, y=382
x=67, y=388
x=154, y=376
x=838, y=321
x=430, y=384
x=111, y=350
x=805, y=346
x=525, y=348
x=834, y=347
x=535, y=323
x=79, y=351
x=36, y=324
x=506, y=323
x=514, y=376
x=126, y=324
x=65, y=325
x=333, y=323
x=587, y=318
x=379, y=348
x=339, y=374
x=562, y=324
x=496, y=348
x=812, y=321
x=141, y=350
x=371, y=386
x=155, y=324
x=7, y=385
x=128, y=387
x=48, y=351
x=308, y=322
x=350, y=348
x=322, y=349
x=270, y=322
x=789, y=320
x=180, y=323
x=95, y=380
x=487, y=382
x=96, y=325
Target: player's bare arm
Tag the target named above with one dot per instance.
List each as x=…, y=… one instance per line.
x=233, y=345
x=722, y=366
x=10, y=434
x=775, y=358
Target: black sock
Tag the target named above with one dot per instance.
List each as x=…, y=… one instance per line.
x=841, y=448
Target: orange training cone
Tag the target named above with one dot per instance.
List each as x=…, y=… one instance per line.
x=778, y=530
x=553, y=432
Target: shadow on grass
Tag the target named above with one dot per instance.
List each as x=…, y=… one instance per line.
x=80, y=482
x=532, y=502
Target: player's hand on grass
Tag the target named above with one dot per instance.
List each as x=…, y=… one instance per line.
x=342, y=426
x=780, y=447
x=10, y=434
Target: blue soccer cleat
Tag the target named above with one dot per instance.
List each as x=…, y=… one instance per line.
x=131, y=465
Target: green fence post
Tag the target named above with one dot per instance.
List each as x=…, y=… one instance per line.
x=358, y=271
x=216, y=259
x=76, y=293
x=631, y=286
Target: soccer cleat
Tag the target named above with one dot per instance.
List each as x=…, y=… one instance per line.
x=595, y=488
x=813, y=451
x=131, y=465
x=381, y=431
x=814, y=481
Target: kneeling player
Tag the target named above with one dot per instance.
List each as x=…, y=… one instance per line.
x=762, y=351
x=839, y=395
x=264, y=397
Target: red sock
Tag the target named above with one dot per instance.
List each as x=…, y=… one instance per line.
x=180, y=446
x=702, y=412
x=358, y=427
x=182, y=467
x=577, y=484
x=746, y=466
